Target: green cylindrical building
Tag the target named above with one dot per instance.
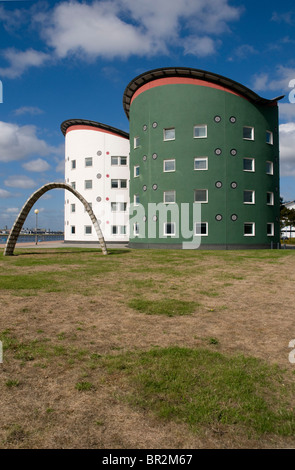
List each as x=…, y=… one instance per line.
x=198, y=139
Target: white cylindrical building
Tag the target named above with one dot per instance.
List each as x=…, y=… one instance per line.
x=97, y=166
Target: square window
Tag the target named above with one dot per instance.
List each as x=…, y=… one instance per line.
x=269, y=137
x=114, y=161
x=248, y=164
x=269, y=168
x=169, y=165
x=88, y=161
x=201, y=163
x=73, y=229
x=248, y=133
x=169, y=197
x=114, y=183
x=73, y=207
x=169, y=134
x=200, y=131
x=201, y=195
x=123, y=184
x=136, y=171
x=73, y=164
x=249, y=197
x=73, y=184
x=201, y=229
x=269, y=199
x=169, y=228
x=249, y=229
x=136, y=142
x=88, y=184
x=88, y=229
x=123, y=161
x=270, y=229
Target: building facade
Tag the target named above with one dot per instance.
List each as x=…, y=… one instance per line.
x=204, y=153
x=97, y=166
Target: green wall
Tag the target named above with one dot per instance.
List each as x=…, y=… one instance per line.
x=182, y=106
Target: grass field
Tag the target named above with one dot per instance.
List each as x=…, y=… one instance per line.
x=147, y=349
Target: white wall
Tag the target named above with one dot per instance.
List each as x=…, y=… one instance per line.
x=85, y=143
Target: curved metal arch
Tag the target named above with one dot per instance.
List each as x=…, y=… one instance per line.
x=20, y=220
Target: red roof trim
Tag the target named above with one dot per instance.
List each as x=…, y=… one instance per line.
x=77, y=127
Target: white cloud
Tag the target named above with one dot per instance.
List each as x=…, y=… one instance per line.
x=19, y=181
x=18, y=142
x=60, y=168
x=287, y=111
x=38, y=165
x=120, y=28
x=12, y=210
x=278, y=81
x=287, y=149
x=4, y=194
x=33, y=110
x=20, y=61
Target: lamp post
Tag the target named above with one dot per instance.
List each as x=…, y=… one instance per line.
x=36, y=236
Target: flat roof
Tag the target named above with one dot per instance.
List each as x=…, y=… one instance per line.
x=98, y=125
x=187, y=72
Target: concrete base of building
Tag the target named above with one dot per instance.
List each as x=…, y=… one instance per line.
x=179, y=246
x=94, y=243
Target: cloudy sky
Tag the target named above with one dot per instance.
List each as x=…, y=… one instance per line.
x=73, y=59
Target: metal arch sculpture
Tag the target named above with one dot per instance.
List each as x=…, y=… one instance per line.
x=20, y=220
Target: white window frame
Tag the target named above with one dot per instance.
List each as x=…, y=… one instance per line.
x=118, y=160
x=88, y=160
x=136, y=167
x=87, y=227
x=165, y=229
x=136, y=229
x=272, y=229
x=73, y=208
x=136, y=142
x=253, y=164
x=271, y=168
x=253, y=229
x=119, y=183
x=73, y=164
x=164, y=133
x=200, y=136
x=270, y=134
x=201, y=234
x=253, y=198
x=73, y=184
x=252, y=133
x=201, y=202
x=136, y=203
x=86, y=182
x=201, y=159
x=165, y=194
x=118, y=206
x=271, y=203
x=166, y=161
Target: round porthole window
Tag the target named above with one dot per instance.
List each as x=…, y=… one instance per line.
x=144, y=218
x=217, y=118
x=144, y=158
x=99, y=153
x=218, y=184
x=144, y=188
x=98, y=199
x=144, y=127
x=218, y=217
x=155, y=218
x=234, y=217
x=233, y=152
x=232, y=119
x=155, y=186
x=98, y=175
x=155, y=156
x=234, y=185
x=218, y=151
x=155, y=124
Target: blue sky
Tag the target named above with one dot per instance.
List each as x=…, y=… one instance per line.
x=73, y=59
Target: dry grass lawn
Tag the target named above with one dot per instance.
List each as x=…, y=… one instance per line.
x=63, y=311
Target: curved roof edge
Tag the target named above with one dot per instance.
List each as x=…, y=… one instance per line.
x=187, y=72
x=98, y=125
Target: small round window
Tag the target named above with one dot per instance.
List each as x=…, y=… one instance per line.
x=144, y=158
x=144, y=127
x=217, y=118
x=234, y=217
x=99, y=153
x=218, y=217
x=218, y=151
x=218, y=184
x=155, y=156
x=155, y=187
x=144, y=188
x=155, y=124
x=234, y=185
x=233, y=152
x=232, y=119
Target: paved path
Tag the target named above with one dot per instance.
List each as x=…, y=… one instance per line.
x=61, y=244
